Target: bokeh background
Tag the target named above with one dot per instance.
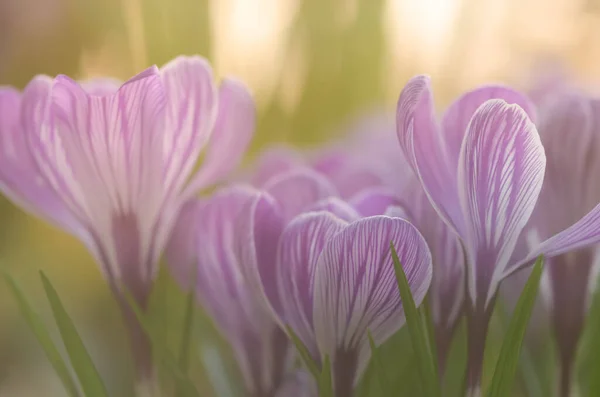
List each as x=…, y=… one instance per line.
x=313, y=66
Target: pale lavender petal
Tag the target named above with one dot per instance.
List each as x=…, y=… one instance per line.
x=337, y=207
x=101, y=86
x=422, y=143
x=356, y=289
x=233, y=131
x=298, y=384
x=300, y=246
x=190, y=115
x=457, y=117
x=183, y=245
x=260, y=347
x=298, y=189
x=274, y=161
x=260, y=227
x=500, y=177
x=102, y=156
x=373, y=201
x=396, y=211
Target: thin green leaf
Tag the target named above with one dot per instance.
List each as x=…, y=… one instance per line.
x=592, y=344
x=304, y=354
x=41, y=333
x=378, y=367
x=82, y=363
x=186, y=337
x=419, y=336
x=325, y=383
x=184, y=385
x=506, y=366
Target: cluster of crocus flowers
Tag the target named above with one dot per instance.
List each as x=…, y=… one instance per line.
x=303, y=245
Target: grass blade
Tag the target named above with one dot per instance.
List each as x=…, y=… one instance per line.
x=82, y=363
x=419, y=335
x=378, y=367
x=325, y=383
x=591, y=344
x=506, y=366
x=184, y=385
x=41, y=334
x=304, y=354
x=186, y=337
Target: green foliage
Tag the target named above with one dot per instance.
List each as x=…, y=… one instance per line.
x=506, y=366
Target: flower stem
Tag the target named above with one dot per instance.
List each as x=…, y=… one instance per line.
x=478, y=320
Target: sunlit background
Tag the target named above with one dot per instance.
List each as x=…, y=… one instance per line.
x=311, y=64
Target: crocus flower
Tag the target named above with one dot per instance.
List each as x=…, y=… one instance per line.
x=112, y=165
x=571, y=136
x=332, y=280
x=482, y=169
x=207, y=232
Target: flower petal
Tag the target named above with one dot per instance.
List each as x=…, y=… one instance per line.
x=422, y=144
x=260, y=347
x=458, y=115
x=102, y=156
x=373, y=201
x=298, y=189
x=182, y=246
x=355, y=284
x=260, y=227
x=337, y=207
x=500, y=174
x=298, y=384
x=299, y=248
x=191, y=112
x=273, y=161
x=233, y=131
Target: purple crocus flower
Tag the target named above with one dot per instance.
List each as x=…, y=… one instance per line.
x=331, y=280
x=482, y=169
x=570, y=132
x=112, y=165
x=208, y=233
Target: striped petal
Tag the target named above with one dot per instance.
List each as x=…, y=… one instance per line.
x=423, y=146
x=356, y=290
x=500, y=177
x=298, y=189
x=101, y=154
x=191, y=110
x=300, y=246
x=233, y=131
x=458, y=115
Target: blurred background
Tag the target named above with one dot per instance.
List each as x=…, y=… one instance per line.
x=312, y=65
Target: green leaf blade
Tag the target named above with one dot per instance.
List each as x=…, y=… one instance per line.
x=304, y=354
x=506, y=366
x=419, y=335
x=82, y=363
x=42, y=335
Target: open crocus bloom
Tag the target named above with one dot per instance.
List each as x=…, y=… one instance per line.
x=111, y=164
x=332, y=280
x=482, y=169
x=570, y=133
x=207, y=232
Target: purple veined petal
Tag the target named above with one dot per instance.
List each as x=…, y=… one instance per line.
x=337, y=207
x=356, y=290
x=101, y=86
x=260, y=227
x=373, y=201
x=183, y=245
x=100, y=155
x=275, y=160
x=190, y=114
x=583, y=233
x=234, y=128
x=300, y=246
x=298, y=189
x=261, y=349
x=501, y=170
x=422, y=144
x=455, y=120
